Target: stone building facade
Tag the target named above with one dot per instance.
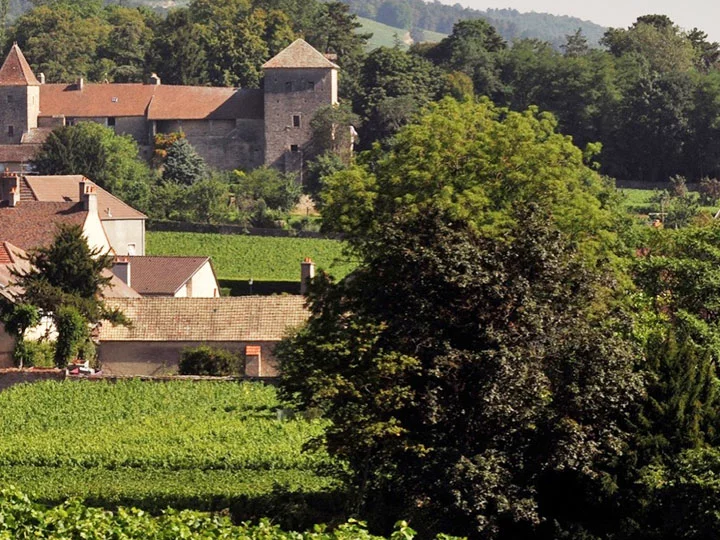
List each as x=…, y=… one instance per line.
x=231, y=128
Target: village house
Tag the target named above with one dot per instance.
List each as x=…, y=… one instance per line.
x=178, y=277
x=230, y=128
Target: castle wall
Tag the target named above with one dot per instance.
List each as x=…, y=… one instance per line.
x=19, y=108
x=292, y=96
x=223, y=144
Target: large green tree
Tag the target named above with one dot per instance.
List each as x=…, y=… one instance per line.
x=101, y=155
x=475, y=384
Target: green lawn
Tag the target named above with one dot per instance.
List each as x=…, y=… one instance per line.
x=261, y=258
x=386, y=36
x=639, y=201
x=200, y=445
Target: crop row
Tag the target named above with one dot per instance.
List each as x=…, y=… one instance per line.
x=21, y=519
x=257, y=257
x=136, y=424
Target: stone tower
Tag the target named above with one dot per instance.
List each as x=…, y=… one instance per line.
x=19, y=97
x=299, y=80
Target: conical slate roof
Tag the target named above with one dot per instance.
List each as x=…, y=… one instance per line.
x=16, y=71
x=299, y=54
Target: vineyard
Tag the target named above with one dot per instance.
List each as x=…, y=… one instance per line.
x=257, y=257
x=21, y=519
x=196, y=445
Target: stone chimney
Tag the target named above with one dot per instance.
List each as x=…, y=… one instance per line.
x=9, y=188
x=154, y=79
x=121, y=268
x=88, y=196
x=41, y=78
x=80, y=84
x=307, y=272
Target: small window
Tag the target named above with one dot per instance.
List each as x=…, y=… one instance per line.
x=111, y=121
x=69, y=121
x=10, y=98
x=311, y=85
x=294, y=148
x=288, y=86
x=11, y=131
x=296, y=120
x=131, y=249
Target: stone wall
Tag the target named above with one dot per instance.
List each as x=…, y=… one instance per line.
x=11, y=377
x=223, y=144
x=19, y=109
x=292, y=97
x=157, y=358
x=7, y=346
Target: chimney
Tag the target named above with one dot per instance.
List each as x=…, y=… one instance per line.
x=80, y=84
x=9, y=188
x=88, y=196
x=41, y=78
x=121, y=268
x=307, y=272
x=154, y=79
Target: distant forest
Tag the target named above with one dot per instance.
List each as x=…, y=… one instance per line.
x=414, y=15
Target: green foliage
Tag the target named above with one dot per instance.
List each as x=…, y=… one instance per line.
x=257, y=257
x=276, y=190
x=183, y=165
x=65, y=282
x=29, y=353
x=96, y=152
x=478, y=163
x=206, y=360
x=73, y=331
x=184, y=444
x=485, y=377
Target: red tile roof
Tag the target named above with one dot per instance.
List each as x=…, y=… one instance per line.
x=299, y=54
x=158, y=102
x=242, y=318
x=201, y=102
x=66, y=188
x=16, y=71
x=163, y=276
x=31, y=224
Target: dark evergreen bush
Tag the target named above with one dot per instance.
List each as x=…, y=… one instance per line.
x=213, y=361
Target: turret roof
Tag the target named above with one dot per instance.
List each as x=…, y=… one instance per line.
x=299, y=54
x=16, y=71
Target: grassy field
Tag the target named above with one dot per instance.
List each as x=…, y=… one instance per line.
x=639, y=201
x=257, y=257
x=199, y=445
x=386, y=36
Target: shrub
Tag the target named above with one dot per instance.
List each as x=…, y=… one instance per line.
x=72, y=334
x=34, y=354
x=213, y=361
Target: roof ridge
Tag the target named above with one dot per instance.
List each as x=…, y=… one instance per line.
x=299, y=54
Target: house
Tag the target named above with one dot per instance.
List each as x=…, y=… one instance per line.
x=12, y=258
x=229, y=127
x=179, y=277
x=163, y=327
x=123, y=227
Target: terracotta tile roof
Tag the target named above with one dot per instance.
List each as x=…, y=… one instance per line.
x=67, y=188
x=36, y=135
x=243, y=318
x=299, y=54
x=118, y=288
x=201, y=102
x=163, y=275
x=158, y=102
x=31, y=224
x=17, y=153
x=94, y=100
x=16, y=71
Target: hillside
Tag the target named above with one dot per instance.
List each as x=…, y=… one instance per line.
x=510, y=23
x=387, y=36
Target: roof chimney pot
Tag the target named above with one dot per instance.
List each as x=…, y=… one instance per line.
x=307, y=272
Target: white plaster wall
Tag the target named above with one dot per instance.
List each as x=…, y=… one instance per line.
x=95, y=233
x=203, y=284
x=121, y=232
